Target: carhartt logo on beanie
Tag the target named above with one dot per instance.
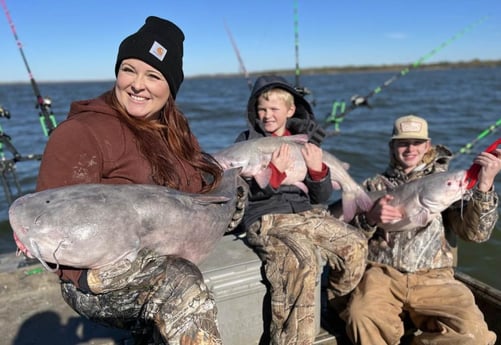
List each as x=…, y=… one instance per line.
x=159, y=43
x=158, y=50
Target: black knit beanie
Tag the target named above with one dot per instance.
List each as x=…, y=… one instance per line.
x=159, y=43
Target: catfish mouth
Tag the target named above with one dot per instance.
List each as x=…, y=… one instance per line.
x=17, y=228
x=22, y=232
x=21, y=248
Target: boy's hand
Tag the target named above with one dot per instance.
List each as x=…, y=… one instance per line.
x=281, y=158
x=312, y=155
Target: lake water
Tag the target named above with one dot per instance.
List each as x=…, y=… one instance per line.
x=458, y=103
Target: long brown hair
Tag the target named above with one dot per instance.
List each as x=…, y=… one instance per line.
x=179, y=143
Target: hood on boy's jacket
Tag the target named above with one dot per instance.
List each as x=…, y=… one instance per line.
x=264, y=83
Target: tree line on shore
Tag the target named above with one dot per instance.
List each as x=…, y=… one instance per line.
x=369, y=68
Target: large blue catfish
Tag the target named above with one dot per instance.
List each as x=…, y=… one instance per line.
x=254, y=155
x=420, y=200
x=95, y=225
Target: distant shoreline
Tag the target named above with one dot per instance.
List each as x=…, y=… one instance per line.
x=319, y=70
x=365, y=68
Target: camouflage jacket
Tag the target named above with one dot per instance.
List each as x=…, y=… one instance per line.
x=471, y=219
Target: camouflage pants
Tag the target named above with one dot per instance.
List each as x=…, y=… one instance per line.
x=161, y=295
x=293, y=248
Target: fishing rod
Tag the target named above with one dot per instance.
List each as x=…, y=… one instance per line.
x=489, y=130
x=296, y=49
x=302, y=90
x=358, y=101
x=4, y=138
x=240, y=60
x=8, y=173
x=47, y=119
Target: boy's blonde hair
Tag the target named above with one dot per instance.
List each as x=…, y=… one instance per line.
x=281, y=94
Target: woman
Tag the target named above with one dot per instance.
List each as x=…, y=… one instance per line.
x=134, y=133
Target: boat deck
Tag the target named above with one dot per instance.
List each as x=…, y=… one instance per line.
x=33, y=311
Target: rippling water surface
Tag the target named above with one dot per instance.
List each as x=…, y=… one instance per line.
x=458, y=103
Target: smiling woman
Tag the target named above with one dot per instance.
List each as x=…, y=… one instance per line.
x=141, y=90
x=135, y=134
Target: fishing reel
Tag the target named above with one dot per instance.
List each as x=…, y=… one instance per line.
x=47, y=119
x=46, y=103
x=4, y=112
x=339, y=110
x=306, y=93
x=359, y=101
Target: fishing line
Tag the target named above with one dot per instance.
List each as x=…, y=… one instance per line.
x=357, y=101
x=47, y=119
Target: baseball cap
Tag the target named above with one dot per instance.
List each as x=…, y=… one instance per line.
x=410, y=127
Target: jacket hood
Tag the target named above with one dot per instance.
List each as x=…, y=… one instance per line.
x=95, y=105
x=264, y=83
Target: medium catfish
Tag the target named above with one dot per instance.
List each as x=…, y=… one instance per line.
x=95, y=225
x=421, y=200
x=254, y=156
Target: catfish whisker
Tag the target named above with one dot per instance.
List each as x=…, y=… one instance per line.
x=36, y=254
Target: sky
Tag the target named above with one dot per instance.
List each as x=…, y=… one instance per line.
x=77, y=40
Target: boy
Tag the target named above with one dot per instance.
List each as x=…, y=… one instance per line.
x=293, y=237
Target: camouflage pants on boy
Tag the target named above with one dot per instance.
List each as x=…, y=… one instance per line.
x=293, y=248
x=161, y=295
